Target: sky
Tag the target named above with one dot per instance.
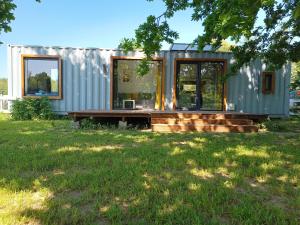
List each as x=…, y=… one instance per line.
x=88, y=23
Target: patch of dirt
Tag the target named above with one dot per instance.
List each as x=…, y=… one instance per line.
x=224, y=219
x=102, y=221
x=255, y=184
x=88, y=207
x=259, y=190
x=69, y=194
x=75, y=194
x=278, y=202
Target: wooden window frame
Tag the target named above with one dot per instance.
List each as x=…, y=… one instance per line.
x=176, y=60
x=264, y=91
x=162, y=59
x=58, y=58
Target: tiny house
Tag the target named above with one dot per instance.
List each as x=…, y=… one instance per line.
x=104, y=79
x=81, y=79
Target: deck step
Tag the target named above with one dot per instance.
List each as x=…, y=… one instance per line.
x=185, y=121
x=198, y=116
x=203, y=128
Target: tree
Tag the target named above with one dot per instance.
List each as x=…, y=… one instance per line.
x=225, y=46
x=6, y=15
x=276, y=40
x=295, y=77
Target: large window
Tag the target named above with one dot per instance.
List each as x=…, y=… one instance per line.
x=132, y=91
x=42, y=76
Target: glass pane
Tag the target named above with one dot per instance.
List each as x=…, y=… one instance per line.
x=268, y=80
x=186, y=86
x=133, y=91
x=211, y=85
x=41, y=77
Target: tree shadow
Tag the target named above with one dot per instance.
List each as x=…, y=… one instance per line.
x=131, y=177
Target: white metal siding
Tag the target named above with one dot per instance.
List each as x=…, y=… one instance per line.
x=85, y=86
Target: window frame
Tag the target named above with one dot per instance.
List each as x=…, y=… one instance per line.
x=161, y=59
x=42, y=57
x=272, y=90
x=198, y=60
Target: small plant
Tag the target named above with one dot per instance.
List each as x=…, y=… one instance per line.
x=32, y=108
x=276, y=125
x=20, y=111
x=89, y=124
x=92, y=124
x=45, y=109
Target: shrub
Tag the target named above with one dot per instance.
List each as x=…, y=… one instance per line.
x=88, y=124
x=276, y=125
x=32, y=108
x=92, y=124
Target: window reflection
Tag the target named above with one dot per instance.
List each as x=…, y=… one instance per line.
x=41, y=76
x=199, y=85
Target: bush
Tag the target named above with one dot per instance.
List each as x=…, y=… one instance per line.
x=89, y=124
x=32, y=108
x=276, y=125
x=92, y=124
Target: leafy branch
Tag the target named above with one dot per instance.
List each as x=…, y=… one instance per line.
x=7, y=8
x=276, y=40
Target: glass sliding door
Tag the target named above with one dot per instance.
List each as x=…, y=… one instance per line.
x=199, y=85
x=187, y=88
x=211, y=86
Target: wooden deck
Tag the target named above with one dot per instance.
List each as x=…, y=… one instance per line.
x=110, y=114
x=181, y=121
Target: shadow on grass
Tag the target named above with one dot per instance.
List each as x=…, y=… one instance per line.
x=131, y=177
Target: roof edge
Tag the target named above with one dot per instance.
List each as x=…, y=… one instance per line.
x=101, y=49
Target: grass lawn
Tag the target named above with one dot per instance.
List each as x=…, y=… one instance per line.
x=52, y=174
x=3, y=86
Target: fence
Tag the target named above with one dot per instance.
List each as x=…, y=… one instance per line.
x=5, y=103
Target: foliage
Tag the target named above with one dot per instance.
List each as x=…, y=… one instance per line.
x=88, y=124
x=276, y=41
x=291, y=124
x=32, y=108
x=225, y=46
x=93, y=124
x=295, y=76
x=51, y=174
x=6, y=15
x=149, y=38
x=3, y=86
x=274, y=125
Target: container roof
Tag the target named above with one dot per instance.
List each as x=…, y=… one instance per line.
x=188, y=47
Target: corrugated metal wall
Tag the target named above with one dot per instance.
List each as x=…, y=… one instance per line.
x=245, y=91
x=86, y=86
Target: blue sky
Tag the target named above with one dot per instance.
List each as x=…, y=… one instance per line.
x=88, y=23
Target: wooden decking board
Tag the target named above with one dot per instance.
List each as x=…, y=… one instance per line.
x=181, y=121
x=213, y=115
x=203, y=128
x=110, y=114
x=147, y=114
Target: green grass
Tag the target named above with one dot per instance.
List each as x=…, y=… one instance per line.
x=3, y=86
x=51, y=174
x=291, y=124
